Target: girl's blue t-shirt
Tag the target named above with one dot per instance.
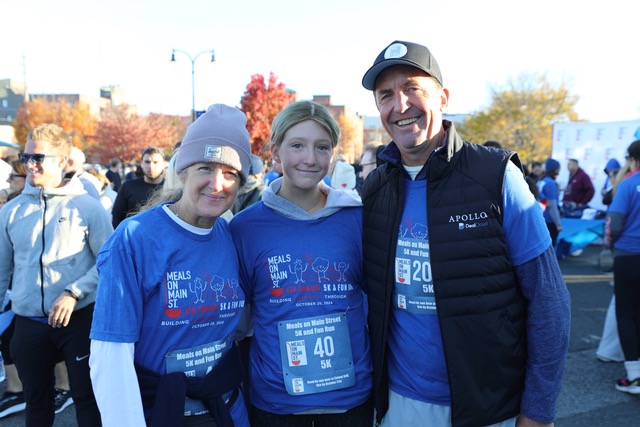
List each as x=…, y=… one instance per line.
x=303, y=278
x=548, y=190
x=416, y=363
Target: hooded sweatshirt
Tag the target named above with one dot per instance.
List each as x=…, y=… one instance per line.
x=297, y=269
x=49, y=239
x=336, y=200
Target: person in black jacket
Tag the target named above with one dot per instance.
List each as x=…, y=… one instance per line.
x=468, y=312
x=135, y=193
x=251, y=191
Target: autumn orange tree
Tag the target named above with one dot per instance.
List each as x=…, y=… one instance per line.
x=261, y=103
x=521, y=115
x=350, y=138
x=75, y=119
x=124, y=134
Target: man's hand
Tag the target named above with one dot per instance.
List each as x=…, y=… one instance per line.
x=60, y=313
x=528, y=422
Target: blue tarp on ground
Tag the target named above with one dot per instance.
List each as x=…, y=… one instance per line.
x=578, y=233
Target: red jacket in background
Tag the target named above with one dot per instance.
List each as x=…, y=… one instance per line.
x=579, y=189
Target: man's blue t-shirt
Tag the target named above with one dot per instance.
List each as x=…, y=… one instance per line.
x=416, y=362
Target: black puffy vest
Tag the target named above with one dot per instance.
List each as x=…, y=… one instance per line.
x=481, y=311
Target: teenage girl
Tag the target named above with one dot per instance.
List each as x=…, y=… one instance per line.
x=300, y=252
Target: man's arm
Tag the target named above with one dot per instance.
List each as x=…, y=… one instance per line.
x=589, y=189
x=548, y=305
x=548, y=327
x=554, y=212
x=613, y=227
x=99, y=231
x=120, y=207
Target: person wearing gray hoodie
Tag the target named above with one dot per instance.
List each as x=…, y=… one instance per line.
x=50, y=236
x=300, y=253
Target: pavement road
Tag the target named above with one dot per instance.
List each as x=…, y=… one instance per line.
x=588, y=396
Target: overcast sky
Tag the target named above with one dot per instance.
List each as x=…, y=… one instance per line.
x=320, y=47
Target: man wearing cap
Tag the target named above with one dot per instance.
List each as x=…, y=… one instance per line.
x=548, y=190
x=468, y=311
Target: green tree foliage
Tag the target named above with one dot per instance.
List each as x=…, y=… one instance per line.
x=74, y=119
x=124, y=134
x=521, y=116
x=261, y=103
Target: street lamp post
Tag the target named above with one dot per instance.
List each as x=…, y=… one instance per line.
x=193, y=75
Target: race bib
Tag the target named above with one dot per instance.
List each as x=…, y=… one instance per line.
x=316, y=354
x=413, y=290
x=197, y=362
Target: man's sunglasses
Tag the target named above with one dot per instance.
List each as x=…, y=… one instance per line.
x=37, y=158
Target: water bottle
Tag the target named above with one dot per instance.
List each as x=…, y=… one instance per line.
x=3, y=373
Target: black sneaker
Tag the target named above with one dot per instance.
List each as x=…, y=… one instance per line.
x=11, y=403
x=62, y=400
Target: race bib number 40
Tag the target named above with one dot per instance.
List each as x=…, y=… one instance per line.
x=316, y=354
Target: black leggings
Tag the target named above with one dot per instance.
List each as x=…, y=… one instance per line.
x=35, y=348
x=360, y=416
x=5, y=342
x=627, y=290
x=553, y=232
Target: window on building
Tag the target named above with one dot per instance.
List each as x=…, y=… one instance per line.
x=5, y=103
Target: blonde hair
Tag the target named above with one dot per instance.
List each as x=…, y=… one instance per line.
x=301, y=111
x=58, y=139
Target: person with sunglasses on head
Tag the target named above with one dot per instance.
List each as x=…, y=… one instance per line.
x=50, y=236
x=17, y=179
x=368, y=161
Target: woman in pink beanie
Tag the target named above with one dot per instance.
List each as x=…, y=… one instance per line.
x=169, y=298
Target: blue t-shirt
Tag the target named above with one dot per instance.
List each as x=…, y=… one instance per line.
x=627, y=203
x=417, y=368
x=548, y=190
x=270, y=177
x=303, y=278
x=173, y=293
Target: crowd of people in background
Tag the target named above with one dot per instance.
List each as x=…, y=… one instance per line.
x=173, y=271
